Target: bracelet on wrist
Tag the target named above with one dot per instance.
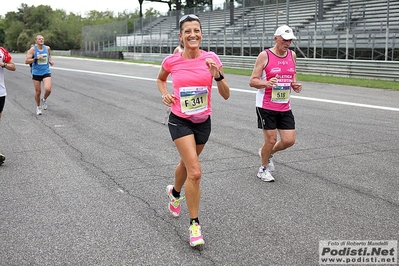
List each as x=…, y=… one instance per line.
x=221, y=77
x=163, y=95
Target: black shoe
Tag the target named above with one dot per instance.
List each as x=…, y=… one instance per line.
x=2, y=159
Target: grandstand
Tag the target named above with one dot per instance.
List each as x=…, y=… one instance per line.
x=351, y=29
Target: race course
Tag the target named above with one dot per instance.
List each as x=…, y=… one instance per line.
x=84, y=183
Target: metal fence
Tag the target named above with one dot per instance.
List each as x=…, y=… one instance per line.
x=102, y=38
x=334, y=29
x=387, y=70
x=327, y=29
x=373, y=69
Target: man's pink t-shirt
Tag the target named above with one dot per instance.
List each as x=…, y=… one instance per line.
x=192, y=85
x=278, y=98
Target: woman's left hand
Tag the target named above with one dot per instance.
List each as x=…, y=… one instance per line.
x=213, y=68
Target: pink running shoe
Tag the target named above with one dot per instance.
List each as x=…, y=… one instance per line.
x=195, y=235
x=174, y=205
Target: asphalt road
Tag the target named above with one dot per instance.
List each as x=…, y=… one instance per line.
x=84, y=184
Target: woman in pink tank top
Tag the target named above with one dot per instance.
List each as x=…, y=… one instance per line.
x=193, y=71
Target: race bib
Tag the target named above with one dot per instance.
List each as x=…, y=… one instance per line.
x=193, y=100
x=281, y=93
x=43, y=60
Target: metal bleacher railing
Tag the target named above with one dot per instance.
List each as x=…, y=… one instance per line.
x=350, y=29
x=352, y=38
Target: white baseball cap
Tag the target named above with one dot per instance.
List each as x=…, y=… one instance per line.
x=285, y=32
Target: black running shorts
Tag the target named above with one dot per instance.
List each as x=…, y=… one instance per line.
x=40, y=78
x=268, y=119
x=180, y=127
x=2, y=103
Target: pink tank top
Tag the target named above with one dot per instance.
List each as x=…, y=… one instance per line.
x=192, y=85
x=278, y=98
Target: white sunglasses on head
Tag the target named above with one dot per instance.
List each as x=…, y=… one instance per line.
x=185, y=17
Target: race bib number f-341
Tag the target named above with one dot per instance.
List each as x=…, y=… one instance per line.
x=193, y=100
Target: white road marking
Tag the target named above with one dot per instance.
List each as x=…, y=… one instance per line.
x=233, y=89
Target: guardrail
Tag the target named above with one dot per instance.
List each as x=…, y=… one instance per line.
x=371, y=69
x=61, y=52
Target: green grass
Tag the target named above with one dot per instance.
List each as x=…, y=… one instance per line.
x=360, y=82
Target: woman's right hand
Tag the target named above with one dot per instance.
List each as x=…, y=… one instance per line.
x=168, y=99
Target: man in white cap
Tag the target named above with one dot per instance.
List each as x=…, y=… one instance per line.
x=274, y=75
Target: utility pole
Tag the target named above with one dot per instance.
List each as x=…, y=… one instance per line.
x=141, y=15
x=387, y=33
x=348, y=20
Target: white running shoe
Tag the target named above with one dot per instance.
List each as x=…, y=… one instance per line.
x=39, y=110
x=270, y=162
x=196, y=237
x=264, y=174
x=174, y=203
x=44, y=104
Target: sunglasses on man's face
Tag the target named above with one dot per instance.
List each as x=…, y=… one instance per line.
x=186, y=17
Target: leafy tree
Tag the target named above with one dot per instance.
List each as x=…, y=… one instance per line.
x=179, y=4
x=130, y=17
x=38, y=18
x=12, y=33
x=61, y=31
x=24, y=40
x=99, y=17
x=253, y=2
x=2, y=33
x=66, y=30
x=197, y=3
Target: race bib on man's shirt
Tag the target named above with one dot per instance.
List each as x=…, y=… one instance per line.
x=193, y=100
x=281, y=93
x=43, y=60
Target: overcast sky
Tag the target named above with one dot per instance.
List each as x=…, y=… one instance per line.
x=83, y=6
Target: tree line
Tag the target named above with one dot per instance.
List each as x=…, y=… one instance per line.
x=61, y=30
